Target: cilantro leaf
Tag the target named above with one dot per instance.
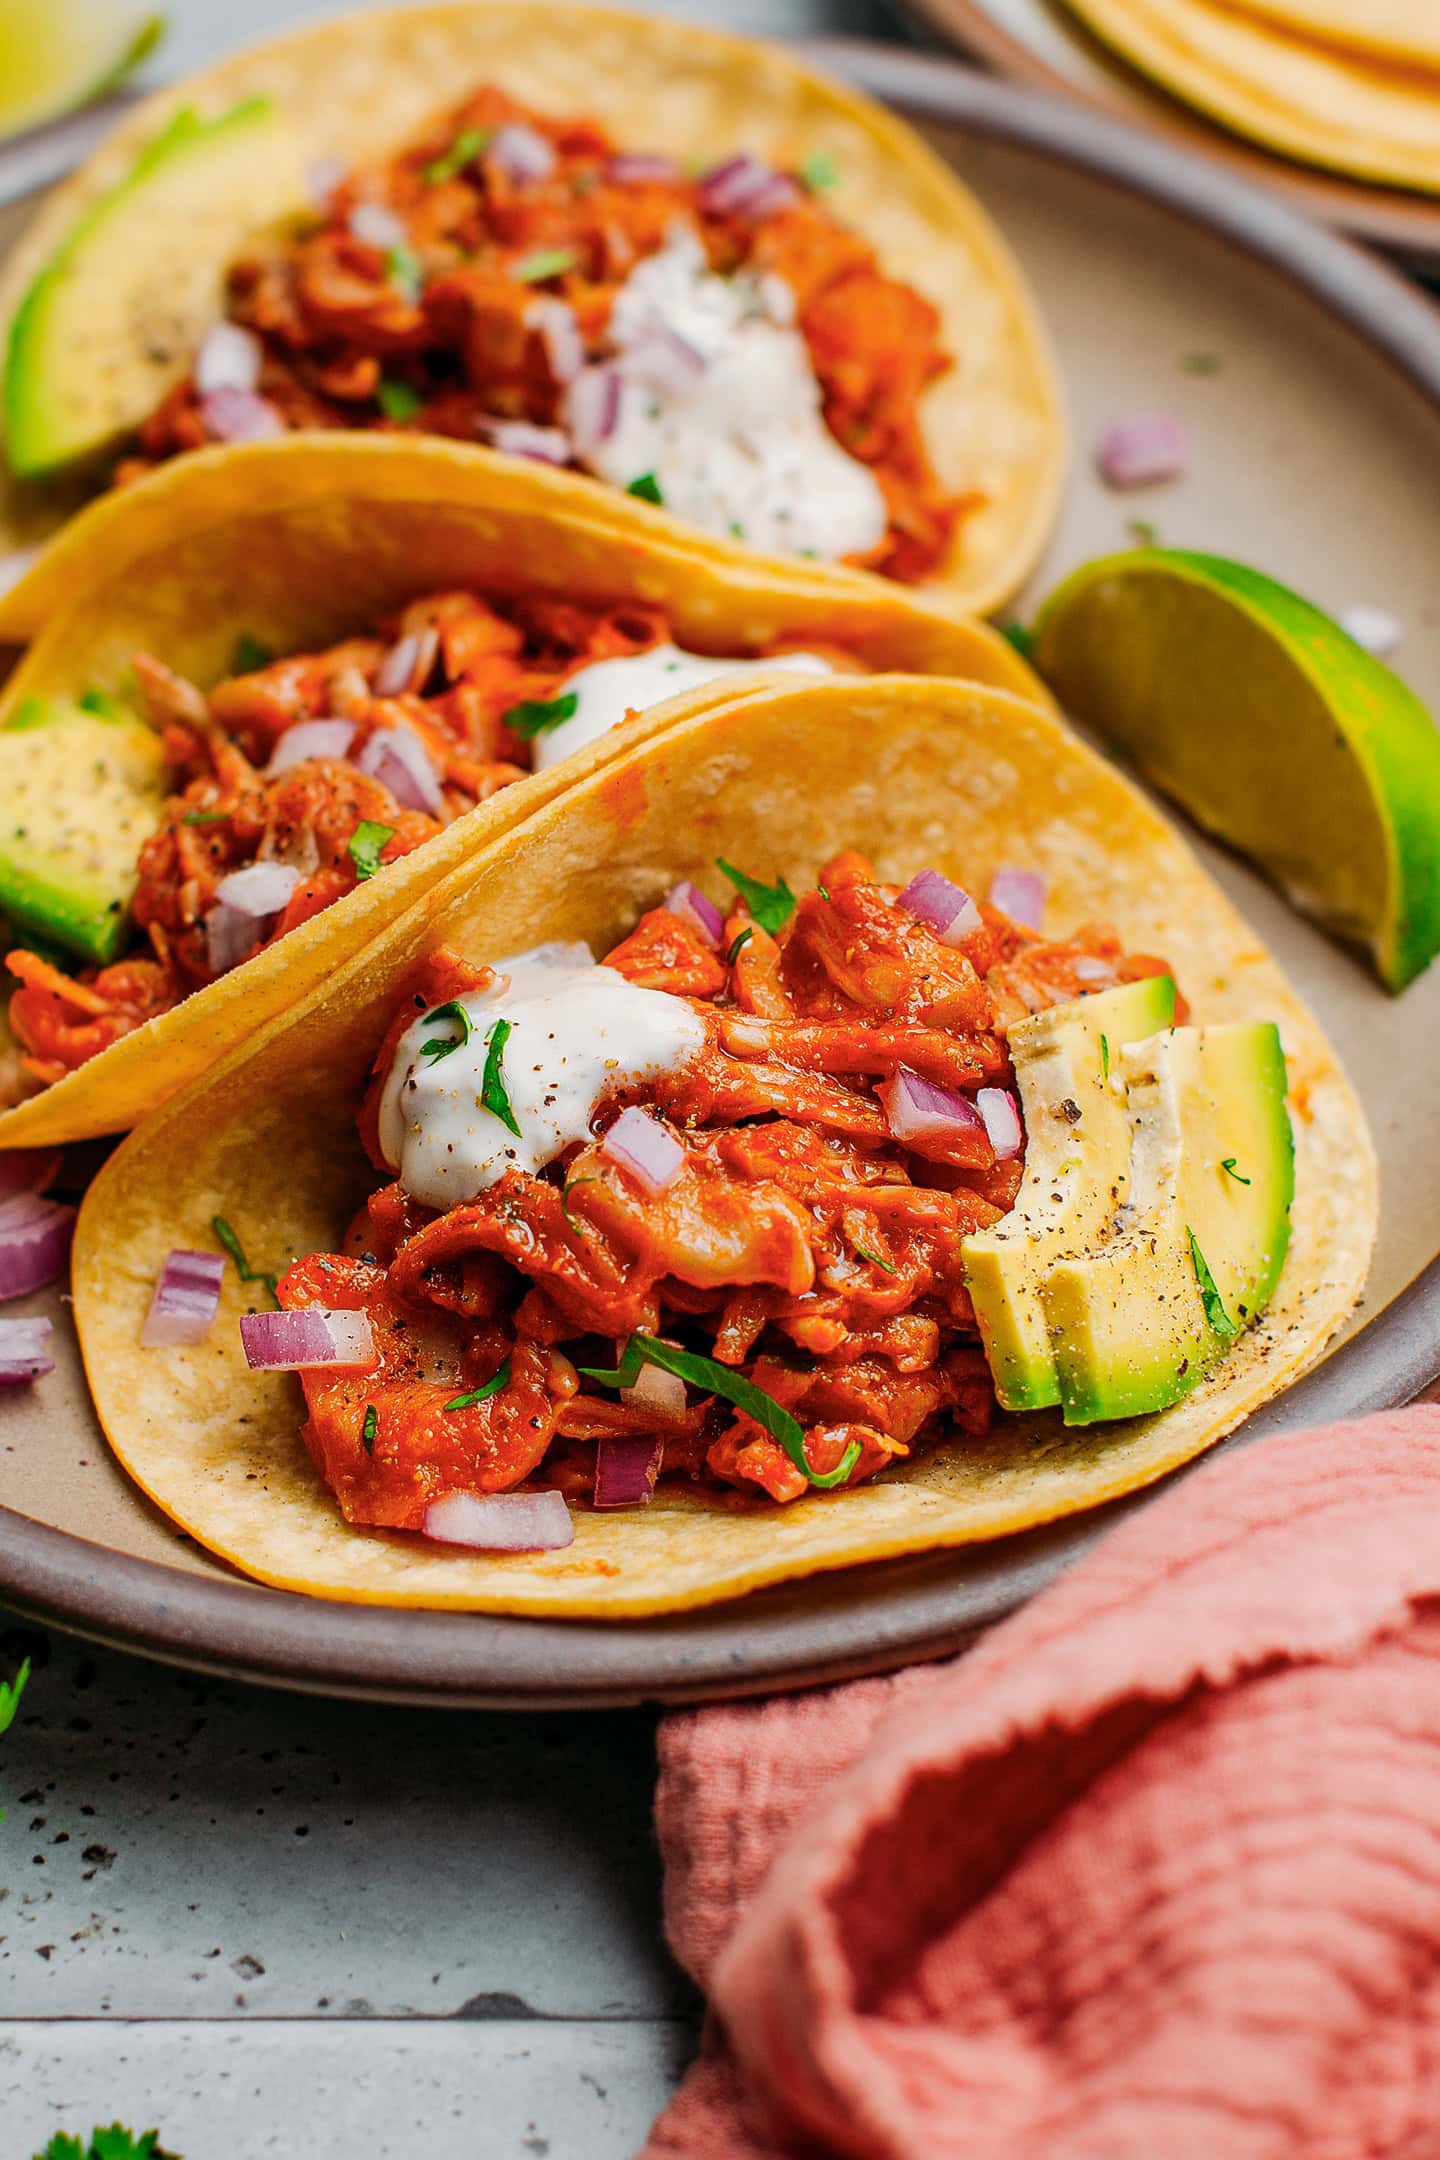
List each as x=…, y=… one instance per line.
x=1210, y=1297
x=1228, y=1164
x=545, y=263
x=236, y=1251
x=1104, y=1057
x=733, y=1387
x=873, y=1257
x=1141, y=530
x=481, y=1394
x=398, y=400
x=771, y=905
x=10, y=1693
x=366, y=843
x=646, y=488
x=819, y=172
x=535, y=716
x=738, y=946
x=204, y=817
x=493, y=1092
x=442, y=1045
x=116, y=2143
x=1020, y=636
x=369, y=1428
x=249, y=654
x=100, y=702
x=405, y=271
x=467, y=145
x=62, y=2147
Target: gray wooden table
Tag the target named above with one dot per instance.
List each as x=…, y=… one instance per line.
x=272, y=1925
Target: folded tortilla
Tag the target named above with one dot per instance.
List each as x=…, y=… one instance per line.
x=307, y=540
x=916, y=773
x=358, y=87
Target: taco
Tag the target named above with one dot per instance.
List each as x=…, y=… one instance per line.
x=710, y=1265
x=266, y=724
x=677, y=261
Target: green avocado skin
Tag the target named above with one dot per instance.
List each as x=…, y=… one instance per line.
x=81, y=790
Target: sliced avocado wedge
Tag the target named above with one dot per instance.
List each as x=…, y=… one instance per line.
x=1137, y=1323
x=81, y=795
x=1077, y=1167
x=117, y=314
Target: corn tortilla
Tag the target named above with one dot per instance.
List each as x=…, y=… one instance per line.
x=916, y=772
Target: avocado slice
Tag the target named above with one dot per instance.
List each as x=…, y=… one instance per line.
x=1138, y=1322
x=1077, y=1166
x=82, y=792
x=116, y=316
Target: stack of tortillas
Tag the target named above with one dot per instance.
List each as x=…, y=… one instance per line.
x=1349, y=84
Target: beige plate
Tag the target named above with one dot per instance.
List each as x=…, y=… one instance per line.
x=1317, y=457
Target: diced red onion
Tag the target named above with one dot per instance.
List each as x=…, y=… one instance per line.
x=745, y=187
x=22, y=1351
x=521, y=152
x=230, y=937
x=693, y=907
x=501, y=1522
x=311, y=739
x=1002, y=1121
x=399, y=761
x=919, y=1112
x=408, y=664
x=642, y=168
x=296, y=1341
x=236, y=416
x=642, y=1145
x=1088, y=970
x=1020, y=894
x=1141, y=449
x=262, y=888
x=1371, y=627
x=35, y=1239
x=322, y=176
x=28, y=1170
x=559, y=333
x=186, y=1299
x=627, y=1464
x=664, y=360
x=949, y=910
x=373, y=225
x=522, y=438
x=229, y=359
x=593, y=408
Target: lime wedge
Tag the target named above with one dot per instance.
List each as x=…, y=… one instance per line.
x=1275, y=730
x=57, y=54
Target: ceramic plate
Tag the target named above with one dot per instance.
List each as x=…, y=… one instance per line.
x=1316, y=440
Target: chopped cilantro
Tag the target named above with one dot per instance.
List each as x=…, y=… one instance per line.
x=565, y=1192
x=249, y=654
x=100, y=702
x=771, y=905
x=733, y=1387
x=819, y=172
x=467, y=145
x=1104, y=1057
x=442, y=1045
x=116, y=2143
x=405, y=271
x=492, y=1083
x=824, y=891
x=545, y=263
x=10, y=1693
x=646, y=488
x=1142, y=530
x=236, y=1251
x=873, y=1257
x=204, y=817
x=482, y=1394
x=1228, y=1164
x=536, y=716
x=397, y=400
x=1020, y=636
x=1201, y=363
x=369, y=1428
x=1210, y=1297
x=738, y=947
x=366, y=843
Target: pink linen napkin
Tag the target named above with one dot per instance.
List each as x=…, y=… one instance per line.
x=1153, y=1873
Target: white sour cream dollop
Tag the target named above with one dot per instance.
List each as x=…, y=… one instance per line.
x=609, y=689
x=578, y=1033
x=741, y=446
